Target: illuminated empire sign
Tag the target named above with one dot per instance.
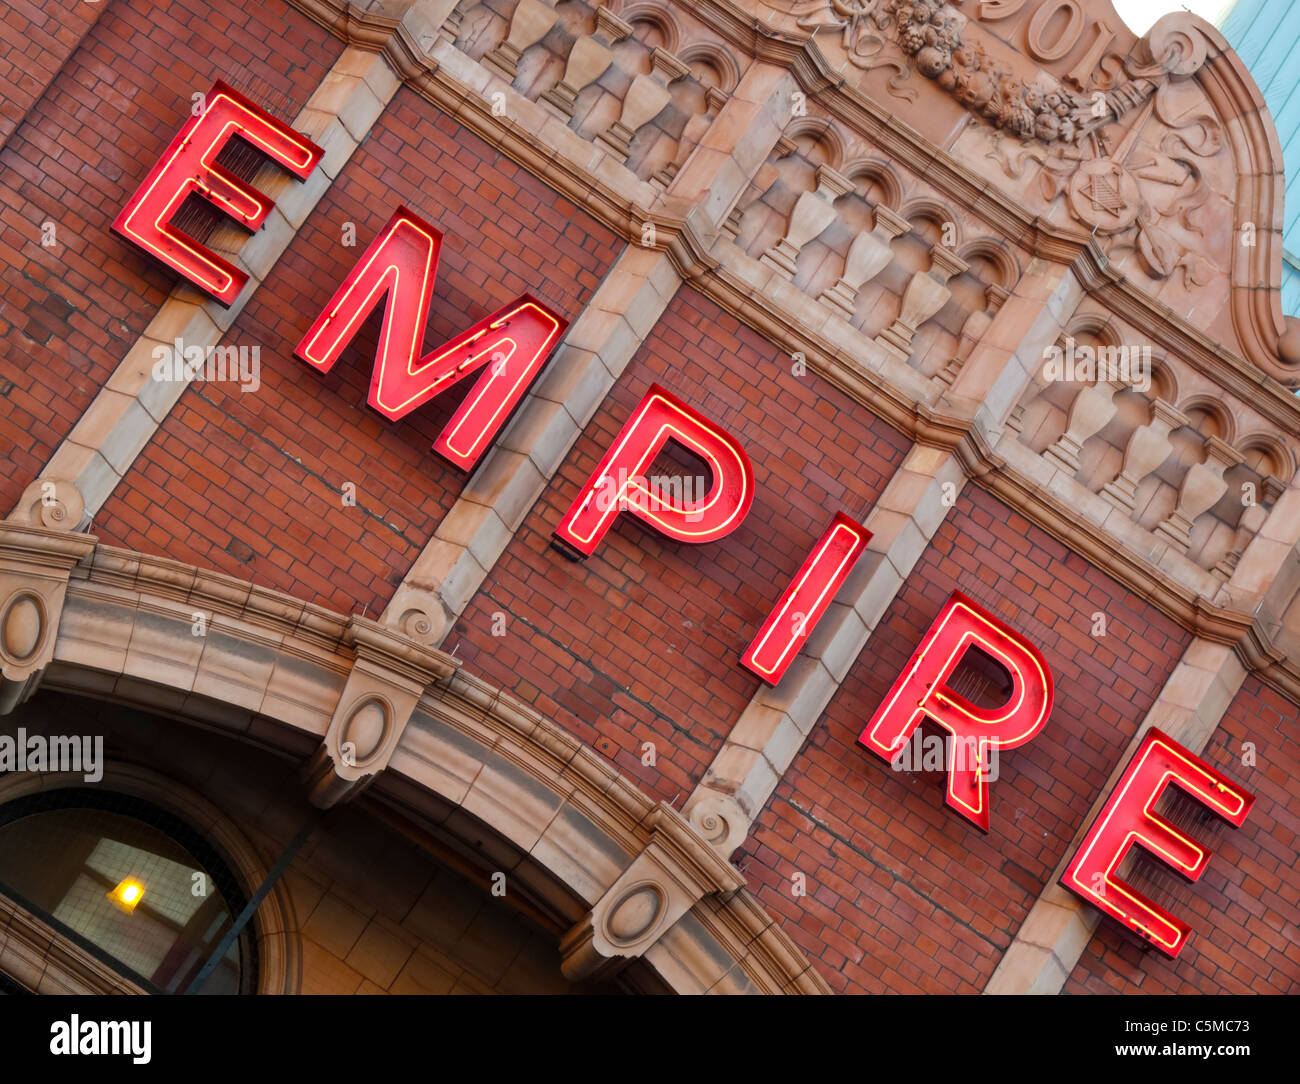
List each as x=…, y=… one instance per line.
x=507, y=351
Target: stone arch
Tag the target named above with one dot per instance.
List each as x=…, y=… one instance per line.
x=1274, y=457
x=705, y=54
x=490, y=772
x=925, y=209
x=822, y=132
x=657, y=16
x=879, y=173
x=1221, y=421
x=1006, y=266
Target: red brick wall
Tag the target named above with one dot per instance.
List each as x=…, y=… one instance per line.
x=903, y=895
x=1243, y=911
x=251, y=483
x=35, y=40
x=641, y=641
x=71, y=312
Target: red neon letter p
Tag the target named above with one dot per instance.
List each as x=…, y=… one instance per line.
x=921, y=691
x=1129, y=817
x=619, y=485
x=189, y=166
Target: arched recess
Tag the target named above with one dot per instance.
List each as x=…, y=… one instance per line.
x=279, y=965
x=629, y=878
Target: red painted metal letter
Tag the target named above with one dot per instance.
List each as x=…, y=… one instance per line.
x=806, y=599
x=189, y=166
x=922, y=690
x=619, y=485
x=1129, y=817
x=513, y=342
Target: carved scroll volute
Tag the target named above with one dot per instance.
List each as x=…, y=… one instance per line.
x=55, y=503
x=1252, y=519
x=813, y=212
x=926, y=293
x=1148, y=448
x=645, y=100
x=530, y=23
x=589, y=59
x=868, y=255
x=1202, y=487
x=34, y=572
x=1091, y=411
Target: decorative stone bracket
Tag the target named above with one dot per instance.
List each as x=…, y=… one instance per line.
x=813, y=212
x=867, y=257
x=663, y=882
x=972, y=332
x=35, y=564
x=1090, y=413
x=1252, y=519
x=387, y=680
x=1202, y=487
x=1147, y=449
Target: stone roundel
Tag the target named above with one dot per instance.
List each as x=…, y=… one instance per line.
x=367, y=728
x=22, y=626
x=635, y=913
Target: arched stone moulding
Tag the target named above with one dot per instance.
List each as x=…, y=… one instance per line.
x=279, y=964
x=445, y=748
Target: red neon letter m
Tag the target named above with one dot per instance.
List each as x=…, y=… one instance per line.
x=513, y=343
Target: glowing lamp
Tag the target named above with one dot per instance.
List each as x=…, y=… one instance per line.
x=126, y=895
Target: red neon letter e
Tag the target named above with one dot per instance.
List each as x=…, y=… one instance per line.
x=1129, y=817
x=189, y=166
x=513, y=343
x=921, y=691
x=806, y=599
x=618, y=485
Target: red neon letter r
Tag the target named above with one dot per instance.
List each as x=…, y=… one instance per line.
x=921, y=691
x=189, y=166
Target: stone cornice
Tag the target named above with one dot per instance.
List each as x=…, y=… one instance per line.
x=809, y=67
